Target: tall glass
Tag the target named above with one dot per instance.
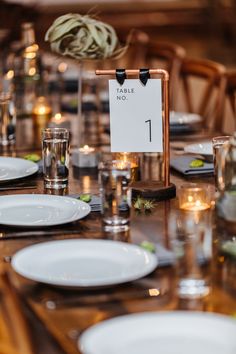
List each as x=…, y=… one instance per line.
x=191, y=242
x=55, y=148
x=218, y=144
x=7, y=120
x=114, y=180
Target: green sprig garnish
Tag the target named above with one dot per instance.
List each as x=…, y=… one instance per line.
x=85, y=197
x=196, y=163
x=32, y=157
x=148, y=246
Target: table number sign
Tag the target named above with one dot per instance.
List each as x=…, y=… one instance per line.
x=136, y=116
x=139, y=119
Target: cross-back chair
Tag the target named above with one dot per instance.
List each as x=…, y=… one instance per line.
x=231, y=89
x=230, y=101
x=203, y=87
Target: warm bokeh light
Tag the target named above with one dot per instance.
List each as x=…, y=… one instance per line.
x=9, y=75
x=62, y=67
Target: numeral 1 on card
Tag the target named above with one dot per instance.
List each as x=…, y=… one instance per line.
x=150, y=128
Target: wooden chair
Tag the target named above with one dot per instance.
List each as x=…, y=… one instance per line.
x=203, y=85
x=168, y=56
x=230, y=101
x=231, y=89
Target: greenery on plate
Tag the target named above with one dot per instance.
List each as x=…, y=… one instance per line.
x=196, y=163
x=33, y=157
x=85, y=197
x=148, y=246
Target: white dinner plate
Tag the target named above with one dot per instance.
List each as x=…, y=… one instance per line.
x=40, y=210
x=13, y=168
x=202, y=148
x=179, y=118
x=165, y=333
x=83, y=263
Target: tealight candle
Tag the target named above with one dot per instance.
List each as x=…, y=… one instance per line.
x=85, y=156
x=59, y=121
x=194, y=198
x=41, y=115
x=133, y=159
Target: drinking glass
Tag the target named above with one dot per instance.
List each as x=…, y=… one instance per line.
x=114, y=180
x=218, y=144
x=190, y=239
x=7, y=120
x=55, y=148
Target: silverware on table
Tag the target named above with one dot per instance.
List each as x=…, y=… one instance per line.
x=36, y=233
x=89, y=300
x=18, y=187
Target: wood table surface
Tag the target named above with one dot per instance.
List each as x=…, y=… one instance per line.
x=56, y=331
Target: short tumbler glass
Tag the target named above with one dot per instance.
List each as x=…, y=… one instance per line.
x=114, y=180
x=55, y=149
x=191, y=242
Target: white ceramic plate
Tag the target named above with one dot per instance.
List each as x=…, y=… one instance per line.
x=40, y=210
x=184, y=118
x=165, y=333
x=13, y=168
x=202, y=148
x=83, y=263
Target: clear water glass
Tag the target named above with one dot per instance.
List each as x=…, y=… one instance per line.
x=7, y=119
x=218, y=144
x=114, y=181
x=191, y=241
x=55, y=151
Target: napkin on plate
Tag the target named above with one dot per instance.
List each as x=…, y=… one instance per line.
x=181, y=164
x=96, y=203
x=165, y=257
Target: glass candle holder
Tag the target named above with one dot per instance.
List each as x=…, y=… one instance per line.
x=133, y=159
x=41, y=116
x=194, y=197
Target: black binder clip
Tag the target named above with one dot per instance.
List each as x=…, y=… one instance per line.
x=120, y=76
x=144, y=75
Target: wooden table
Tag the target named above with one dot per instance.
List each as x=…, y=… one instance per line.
x=57, y=330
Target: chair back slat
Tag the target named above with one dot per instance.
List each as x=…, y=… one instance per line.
x=203, y=85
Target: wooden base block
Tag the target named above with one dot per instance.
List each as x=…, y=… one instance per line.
x=153, y=190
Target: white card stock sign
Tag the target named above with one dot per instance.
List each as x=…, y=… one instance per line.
x=136, y=116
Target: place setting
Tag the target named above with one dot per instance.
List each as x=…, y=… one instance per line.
x=17, y=173
x=196, y=159
x=184, y=123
